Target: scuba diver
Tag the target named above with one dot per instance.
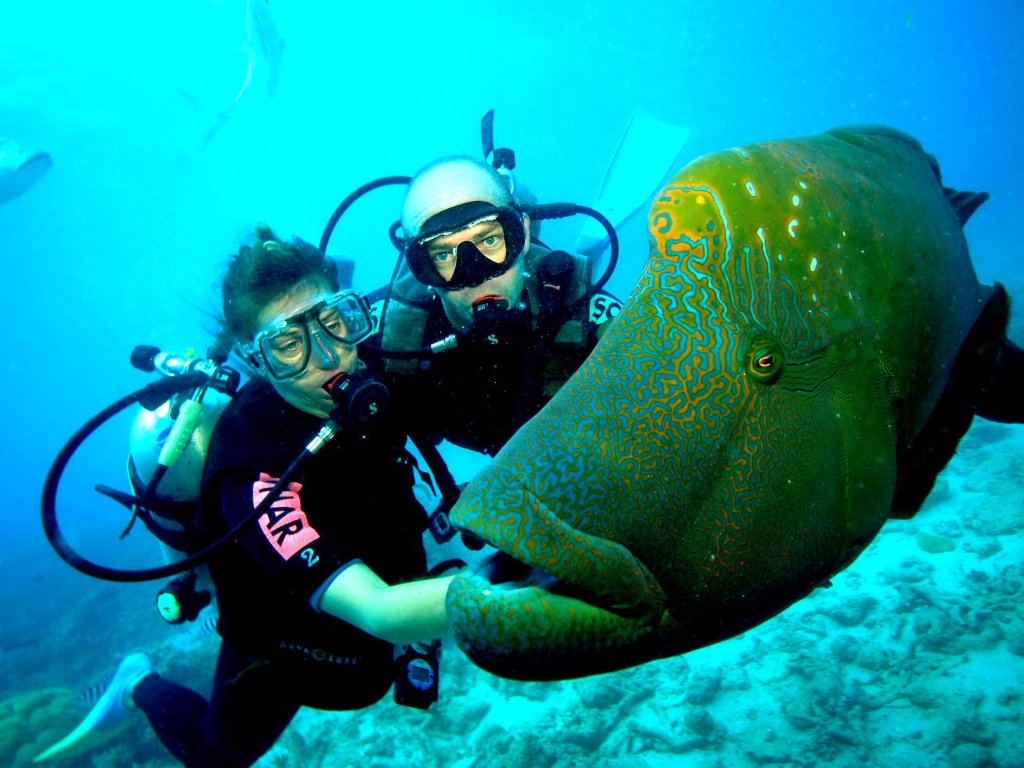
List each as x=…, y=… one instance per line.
x=482, y=323
x=520, y=318
x=320, y=593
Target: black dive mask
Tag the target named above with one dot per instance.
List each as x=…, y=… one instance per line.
x=497, y=239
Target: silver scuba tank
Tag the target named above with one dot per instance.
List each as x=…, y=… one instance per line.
x=178, y=490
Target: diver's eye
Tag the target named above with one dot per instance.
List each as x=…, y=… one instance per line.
x=287, y=346
x=491, y=244
x=332, y=322
x=441, y=257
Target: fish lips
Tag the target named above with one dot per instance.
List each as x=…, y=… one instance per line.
x=506, y=572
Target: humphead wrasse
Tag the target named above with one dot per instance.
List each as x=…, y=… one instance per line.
x=806, y=346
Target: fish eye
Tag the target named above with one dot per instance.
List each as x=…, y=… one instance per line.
x=765, y=363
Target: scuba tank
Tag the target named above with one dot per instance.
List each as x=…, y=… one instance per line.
x=175, y=502
x=176, y=497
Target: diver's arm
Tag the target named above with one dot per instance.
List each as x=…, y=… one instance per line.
x=404, y=613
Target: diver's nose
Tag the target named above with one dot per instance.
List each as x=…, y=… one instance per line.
x=323, y=353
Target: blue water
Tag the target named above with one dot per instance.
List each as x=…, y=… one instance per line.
x=123, y=240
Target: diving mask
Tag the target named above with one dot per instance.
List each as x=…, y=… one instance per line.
x=468, y=251
x=284, y=347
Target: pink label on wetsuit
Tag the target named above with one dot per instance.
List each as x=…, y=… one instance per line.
x=284, y=524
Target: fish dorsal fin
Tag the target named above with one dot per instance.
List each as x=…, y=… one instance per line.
x=964, y=203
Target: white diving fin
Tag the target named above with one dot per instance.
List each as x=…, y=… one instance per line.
x=645, y=155
x=108, y=718
x=85, y=737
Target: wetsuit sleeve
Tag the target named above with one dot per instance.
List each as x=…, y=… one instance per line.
x=284, y=540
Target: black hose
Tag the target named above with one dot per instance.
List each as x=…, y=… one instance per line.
x=49, y=496
x=345, y=204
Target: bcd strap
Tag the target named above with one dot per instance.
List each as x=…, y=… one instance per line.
x=438, y=524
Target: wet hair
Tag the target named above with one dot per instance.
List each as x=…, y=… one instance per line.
x=264, y=271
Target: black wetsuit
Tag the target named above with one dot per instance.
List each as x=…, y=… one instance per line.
x=352, y=503
x=478, y=394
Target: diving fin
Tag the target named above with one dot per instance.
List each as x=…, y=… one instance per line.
x=107, y=719
x=645, y=155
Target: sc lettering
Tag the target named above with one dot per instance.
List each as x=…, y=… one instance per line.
x=603, y=308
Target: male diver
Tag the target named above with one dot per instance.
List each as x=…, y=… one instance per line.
x=518, y=318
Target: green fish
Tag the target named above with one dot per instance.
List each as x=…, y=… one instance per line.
x=803, y=351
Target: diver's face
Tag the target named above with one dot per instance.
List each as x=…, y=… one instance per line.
x=458, y=304
x=328, y=358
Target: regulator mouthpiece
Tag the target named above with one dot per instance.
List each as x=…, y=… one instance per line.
x=362, y=400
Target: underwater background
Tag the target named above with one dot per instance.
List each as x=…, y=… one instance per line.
x=163, y=161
